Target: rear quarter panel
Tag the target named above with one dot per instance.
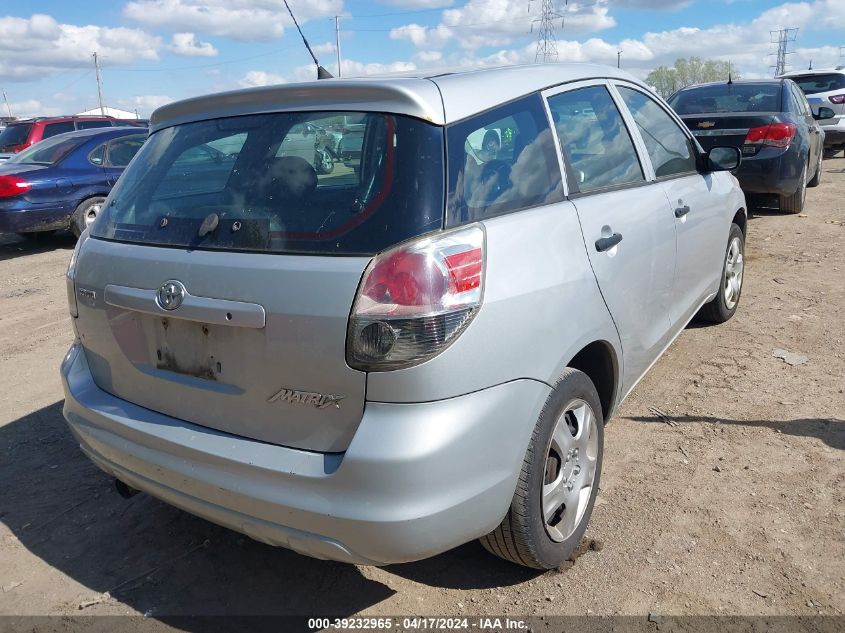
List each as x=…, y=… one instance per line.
x=541, y=306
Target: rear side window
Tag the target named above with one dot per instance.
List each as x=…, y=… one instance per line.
x=501, y=161
x=122, y=150
x=97, y=157
x=51, y=129
x=811, y=84
x=595, y=142
x=47, y=152
x=669, y=149
x=274, y=183
x=754, y=97
x=14, y=135
x=87, y=125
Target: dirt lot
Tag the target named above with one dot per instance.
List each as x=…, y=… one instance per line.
x=723, y=491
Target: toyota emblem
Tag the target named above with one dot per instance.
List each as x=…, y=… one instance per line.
x=170, y=295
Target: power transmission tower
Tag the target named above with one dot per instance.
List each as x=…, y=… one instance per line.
x=99, y=84
x=546, y=40
x=782, y=38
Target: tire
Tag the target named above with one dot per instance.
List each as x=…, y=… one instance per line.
x=524, y=537
x=795, y=202
x=723, y=306
x=817, y=177
x=85, y=214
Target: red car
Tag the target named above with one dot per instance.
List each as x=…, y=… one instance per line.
x=19, y=135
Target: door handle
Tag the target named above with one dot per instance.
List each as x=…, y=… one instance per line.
x=681, y=211
x=606, y=243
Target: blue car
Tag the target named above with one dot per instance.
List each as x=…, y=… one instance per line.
x=62, y=182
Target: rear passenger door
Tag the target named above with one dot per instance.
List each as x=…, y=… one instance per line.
x=627, y=225
x=698, y=210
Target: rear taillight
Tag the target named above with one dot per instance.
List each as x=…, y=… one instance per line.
x=11, y=186
x=415, y=300
x=774, y=135
x=837, y=99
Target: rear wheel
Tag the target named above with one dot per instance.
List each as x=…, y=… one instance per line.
x=723, y=306
x=85, y=214
x=817, y=177
x=559, y=479
x=795, y=202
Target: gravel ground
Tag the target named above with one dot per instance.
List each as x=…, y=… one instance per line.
x=722, y=493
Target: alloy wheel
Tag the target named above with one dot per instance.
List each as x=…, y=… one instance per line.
x=570, y=470
x=734, y=267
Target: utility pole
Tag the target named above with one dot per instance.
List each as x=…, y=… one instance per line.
x=546, y=40
x=782, y=38
x=99, y=84
x=619, y=59
x=337, y=42
x=7, y=103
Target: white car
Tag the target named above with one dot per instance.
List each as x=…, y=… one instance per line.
x=825, y=88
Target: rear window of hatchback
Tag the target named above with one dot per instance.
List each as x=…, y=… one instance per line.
x=260, y=183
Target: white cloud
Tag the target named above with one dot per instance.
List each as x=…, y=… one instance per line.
x=422, y=36
x=244, y=20
x=323, y=49
x=428, y=57
x=144, y=104
x=187, y=44
x=353, y=68
x=419, y=4
x=30, y=108
x=256, y=78
x=38, y=45
x=486, y=23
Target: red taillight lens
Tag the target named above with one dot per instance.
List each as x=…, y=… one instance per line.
x=415, y=300
x=11, y=186
x=837, y=99
x=774, y=135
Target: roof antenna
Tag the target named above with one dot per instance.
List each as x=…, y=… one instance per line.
x=811, y=65
x=322, y=73
x=730, y=77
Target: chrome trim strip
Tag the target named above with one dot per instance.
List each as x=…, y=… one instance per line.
x=193, y=308
x=726, y=132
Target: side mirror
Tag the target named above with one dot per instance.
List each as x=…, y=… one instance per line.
x=824, y=113
x=722, y=158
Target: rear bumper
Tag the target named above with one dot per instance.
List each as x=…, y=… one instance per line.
x=779, y=174
x=417, y=479
x=20, y=216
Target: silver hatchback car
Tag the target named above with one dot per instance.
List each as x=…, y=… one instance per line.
x=383, y=362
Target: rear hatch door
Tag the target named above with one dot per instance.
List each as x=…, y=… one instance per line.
x=217, y=285
x=256, y=348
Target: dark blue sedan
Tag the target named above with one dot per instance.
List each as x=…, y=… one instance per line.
x=62, y=182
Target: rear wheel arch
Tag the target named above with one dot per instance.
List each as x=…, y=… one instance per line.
x=599, y=361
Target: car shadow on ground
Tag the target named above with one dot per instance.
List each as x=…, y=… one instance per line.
x=12, y=246
x=164, y=562
x=831, y=431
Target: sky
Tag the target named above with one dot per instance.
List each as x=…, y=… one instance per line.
x=156, y=51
